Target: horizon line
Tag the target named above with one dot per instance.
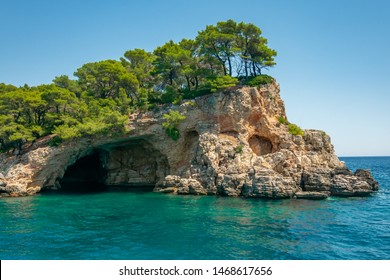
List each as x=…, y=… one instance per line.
x=362, y=156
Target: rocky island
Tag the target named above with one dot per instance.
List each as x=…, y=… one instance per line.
x=233, y=143
x=195, y=117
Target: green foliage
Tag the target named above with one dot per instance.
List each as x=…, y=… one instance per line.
x=7, y=88
x=63, y=81
x=282, y=120
x=220, y=83
x=55, y=141
x=295, y=130
x=218, y=42
x=169, y=62
x=172, y=121
x=229, y=42
x=239, y=149
x=140, y=64
x=173, y=132
x=107, y=123
x=292, y=128
x=27, y=114
x=259, y=80
x=13, y=135
x=66, y=132
x=170, y=95
x=222, y=50
x=106, y=79
x=195, y=93
x=99, y=100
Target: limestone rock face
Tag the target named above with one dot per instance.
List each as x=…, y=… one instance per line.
x=3, y=183
x=231, y=144
x=366, y=176
x=2, y=180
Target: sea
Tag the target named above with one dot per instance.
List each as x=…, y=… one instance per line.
x=142, y=225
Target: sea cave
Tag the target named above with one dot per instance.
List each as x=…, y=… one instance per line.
x=134, y=164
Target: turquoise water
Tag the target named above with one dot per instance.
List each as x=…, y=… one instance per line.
x=145, y=225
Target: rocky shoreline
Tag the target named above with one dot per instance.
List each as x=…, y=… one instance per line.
x=232, y=144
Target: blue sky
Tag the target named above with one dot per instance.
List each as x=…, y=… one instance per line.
x=333, y=60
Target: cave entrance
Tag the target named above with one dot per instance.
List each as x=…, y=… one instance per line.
x=132, y=165
x=260, y=145
x=87, y=174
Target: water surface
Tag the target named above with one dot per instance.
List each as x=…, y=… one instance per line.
x=145, y=225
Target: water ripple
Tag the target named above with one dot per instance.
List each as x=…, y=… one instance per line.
x=132, y=225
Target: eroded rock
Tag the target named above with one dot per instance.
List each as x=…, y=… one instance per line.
x=350, y=186
x=231, y=144
x=2, y=181
x=366, y=176
x=312, y=195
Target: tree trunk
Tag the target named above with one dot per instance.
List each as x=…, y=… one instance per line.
x=258, y=68
x=230, y=65
x=254, y=68
x=246, y=67
x=188, y=82
x=171, y=77
x=220, y=60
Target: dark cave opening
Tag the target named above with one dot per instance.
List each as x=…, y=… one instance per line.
x=125, y=166
x=87, y=174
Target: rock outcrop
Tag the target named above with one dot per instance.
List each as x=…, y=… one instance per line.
x=2, y=182
x=232, y=143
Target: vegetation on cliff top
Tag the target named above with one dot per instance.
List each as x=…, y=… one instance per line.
x=105, y=92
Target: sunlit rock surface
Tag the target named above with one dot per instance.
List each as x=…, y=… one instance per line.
x=231, y=144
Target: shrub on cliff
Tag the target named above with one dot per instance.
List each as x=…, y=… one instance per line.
x=259, y=80
x=172, y=121
x=295, y=130
x=220, y=83
x=282, y=120
x=292, y=128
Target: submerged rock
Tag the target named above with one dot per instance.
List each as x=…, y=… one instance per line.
x=312, y=195
x=232, y=143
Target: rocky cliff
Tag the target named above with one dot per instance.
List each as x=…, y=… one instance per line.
x=232, y=143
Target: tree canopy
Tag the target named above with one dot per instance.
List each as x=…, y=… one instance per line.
x=99, y=100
